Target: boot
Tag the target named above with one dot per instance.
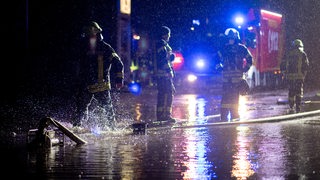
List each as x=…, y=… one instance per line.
x=171, y=119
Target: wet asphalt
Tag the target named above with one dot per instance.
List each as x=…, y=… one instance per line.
x=274, y=149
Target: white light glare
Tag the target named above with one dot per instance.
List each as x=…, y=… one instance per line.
x=177, y=60
x=239, y=20
x=196, y=22
x=192, y=78
x=271, y=13
x=200, y=63
x=136, y=37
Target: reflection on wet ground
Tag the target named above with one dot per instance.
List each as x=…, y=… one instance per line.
x=282, y=150
x=205, y=108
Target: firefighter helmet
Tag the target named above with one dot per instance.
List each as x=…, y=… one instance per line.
x=91, y=28
x=232, y=33
x=164, y=30
x=297, y=43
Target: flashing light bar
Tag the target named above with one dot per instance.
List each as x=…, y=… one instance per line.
x=200, y=64
x=178, y=61
x=239, y=20
x=196, y=22
x=135, y=88
x=271, y=13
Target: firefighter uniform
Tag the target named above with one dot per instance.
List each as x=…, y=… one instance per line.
x=94, y=80
x=235, y=60
x=296, y=66
x=164, y=76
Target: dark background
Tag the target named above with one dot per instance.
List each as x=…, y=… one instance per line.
x=40, y=37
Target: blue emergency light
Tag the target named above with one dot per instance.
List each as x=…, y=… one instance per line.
x=135, y=88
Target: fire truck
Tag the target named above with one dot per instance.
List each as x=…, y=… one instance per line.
x=262, y=31
x=263, y=34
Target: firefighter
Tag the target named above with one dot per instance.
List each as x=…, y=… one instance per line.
x=235, y=60
x=93, y=78
x=164, y=74
x=295, y=69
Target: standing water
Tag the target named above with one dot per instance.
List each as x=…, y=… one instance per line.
x=282, y=150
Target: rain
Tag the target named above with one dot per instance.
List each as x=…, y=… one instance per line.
x=42, y=38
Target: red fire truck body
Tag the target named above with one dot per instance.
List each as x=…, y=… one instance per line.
x=264, y=37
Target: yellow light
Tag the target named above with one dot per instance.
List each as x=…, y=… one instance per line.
x=243, y=108
x=138, y=112
x=133, y=67
x=242, y=167
x=125, y=6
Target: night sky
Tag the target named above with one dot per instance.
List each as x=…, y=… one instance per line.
x=40, y=37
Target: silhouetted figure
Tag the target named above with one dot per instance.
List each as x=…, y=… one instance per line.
x=93, y=78
x=235, y=59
